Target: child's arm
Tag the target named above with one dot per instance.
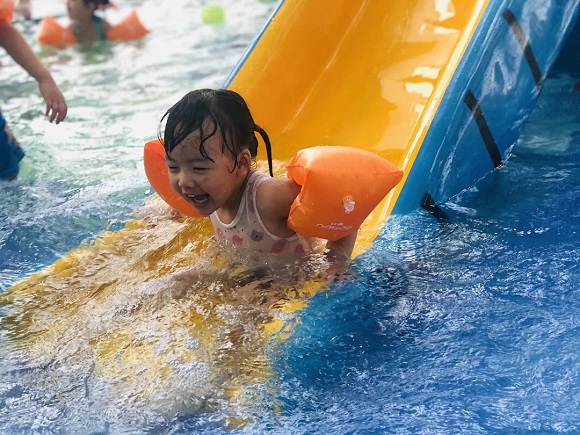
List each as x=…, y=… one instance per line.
x=20, y=51
x=274, y=201
x=342, y=248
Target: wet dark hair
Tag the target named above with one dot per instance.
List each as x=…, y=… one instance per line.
x=225, y=110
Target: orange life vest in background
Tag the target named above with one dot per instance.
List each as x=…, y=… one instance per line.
x=129, y=29
x=6, y=10
x=53, y=33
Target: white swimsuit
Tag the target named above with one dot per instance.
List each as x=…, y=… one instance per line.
x=248, y=232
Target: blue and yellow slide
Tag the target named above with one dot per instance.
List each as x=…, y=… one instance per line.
x=440, y=88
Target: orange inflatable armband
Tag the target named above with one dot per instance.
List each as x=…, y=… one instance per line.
x=157, y=174
x=6, y=10
x=340, y=187
x=53, y=33
x=127, y=30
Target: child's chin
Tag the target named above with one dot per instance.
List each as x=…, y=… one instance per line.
x=204, y=209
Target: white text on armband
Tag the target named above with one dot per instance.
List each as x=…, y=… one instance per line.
x=338, y=226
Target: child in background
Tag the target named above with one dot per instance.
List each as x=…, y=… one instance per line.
x=211, y=146
x=56, y=108
x=86, y=26
x=23, y=8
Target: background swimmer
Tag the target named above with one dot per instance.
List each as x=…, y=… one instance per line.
x=56, y=108
x=85, y=24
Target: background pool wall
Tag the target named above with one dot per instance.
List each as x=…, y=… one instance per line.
x=488, y=101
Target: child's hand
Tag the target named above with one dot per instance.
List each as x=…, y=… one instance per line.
x=17, y=47
x=56, y=107
x=338, y=256
x=336, y=270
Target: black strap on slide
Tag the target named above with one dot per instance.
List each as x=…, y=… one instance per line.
x=429, y=204
x=525, y=44
x=484, y=130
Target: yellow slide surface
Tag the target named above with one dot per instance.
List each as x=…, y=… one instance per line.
x=366, y=74
x=152, y=310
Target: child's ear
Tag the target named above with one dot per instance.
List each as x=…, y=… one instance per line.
x=245, y=158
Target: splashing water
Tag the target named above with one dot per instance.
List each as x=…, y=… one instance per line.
x=469, y=326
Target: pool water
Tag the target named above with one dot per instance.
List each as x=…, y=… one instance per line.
x=86, y=173
x=466, y=327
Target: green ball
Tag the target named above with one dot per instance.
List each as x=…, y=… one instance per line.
x=212, y=14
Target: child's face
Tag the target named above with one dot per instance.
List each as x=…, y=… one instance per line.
x=78, y=10
x=207, y=185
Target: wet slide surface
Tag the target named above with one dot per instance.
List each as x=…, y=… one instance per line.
x=363, y=74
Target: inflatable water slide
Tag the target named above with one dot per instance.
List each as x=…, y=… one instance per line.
x=440, y=88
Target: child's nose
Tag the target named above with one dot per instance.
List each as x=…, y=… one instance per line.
x=185, y=182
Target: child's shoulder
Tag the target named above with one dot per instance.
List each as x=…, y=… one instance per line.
x=274, y=196
x=278, y=186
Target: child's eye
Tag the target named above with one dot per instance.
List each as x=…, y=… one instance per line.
x=198, y=169
x=173, y=169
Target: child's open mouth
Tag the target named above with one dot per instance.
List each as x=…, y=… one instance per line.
x=199, y=199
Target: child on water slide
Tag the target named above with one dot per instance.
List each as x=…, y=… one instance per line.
x=211, y=145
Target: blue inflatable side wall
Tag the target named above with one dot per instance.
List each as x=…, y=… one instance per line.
x=488, y=101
